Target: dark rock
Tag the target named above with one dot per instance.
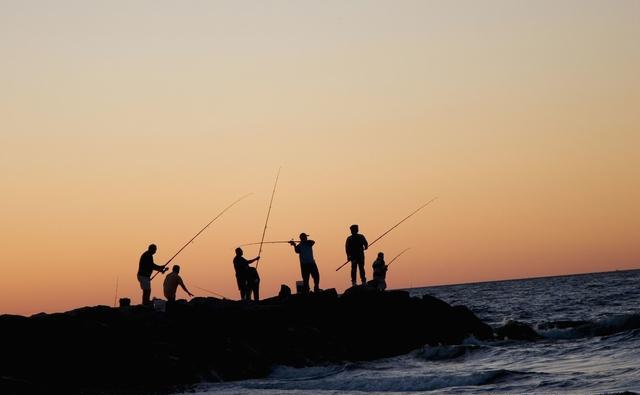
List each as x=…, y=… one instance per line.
x=285, y=291
x=562, y=324
x=514, y=330
x=462, y=317
x=135, y=348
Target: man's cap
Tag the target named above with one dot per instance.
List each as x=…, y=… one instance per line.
x=353, y=226
x=303, y=235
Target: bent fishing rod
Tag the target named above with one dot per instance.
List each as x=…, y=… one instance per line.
x=211, y=292
x=264, y=231
x=398, y=256
x=393, y=227
x=201, y=230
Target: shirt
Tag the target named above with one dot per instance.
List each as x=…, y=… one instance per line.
x=356, y=245
x=171, y=283
x=241, y=264
x=379, y=269
x=305, y=250
x=147, y=265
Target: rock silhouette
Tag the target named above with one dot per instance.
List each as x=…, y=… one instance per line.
x=138, y=350
x=514, y=330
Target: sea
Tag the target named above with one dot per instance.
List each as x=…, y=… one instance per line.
x=590, y=325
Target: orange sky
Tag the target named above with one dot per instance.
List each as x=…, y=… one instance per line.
x=125, y=124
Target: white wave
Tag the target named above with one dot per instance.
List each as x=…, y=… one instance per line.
x=306, y=373
x=443, y=353
x=382, y=382
x=358, y=383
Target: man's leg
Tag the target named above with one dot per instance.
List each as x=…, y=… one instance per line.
x=316, y=277
x=354, y=267
x=145, y=285
x=304, y=268
x=246, y=291
x=363, y=278
x=146, y=297
x=242, y=287
x=256, y=290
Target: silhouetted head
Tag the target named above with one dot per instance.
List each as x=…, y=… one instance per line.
x=176, y=269
x=304, y=236
x=239, y=251
x=152, y=248
x=354, y=229
x=381, y=255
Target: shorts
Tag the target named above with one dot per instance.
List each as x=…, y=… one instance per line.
x=145, y=283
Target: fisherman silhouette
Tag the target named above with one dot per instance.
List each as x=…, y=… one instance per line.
x=355, y=246
x=308, y=265
x=246, y=278
x=253, y=283
x=171, y=283
x=379, y=273
x=145, y=268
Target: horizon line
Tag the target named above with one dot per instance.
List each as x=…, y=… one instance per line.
x=521, y=278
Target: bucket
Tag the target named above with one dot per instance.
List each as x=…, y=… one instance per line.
x=159, y=305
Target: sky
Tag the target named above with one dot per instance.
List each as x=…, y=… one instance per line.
x=129, y=123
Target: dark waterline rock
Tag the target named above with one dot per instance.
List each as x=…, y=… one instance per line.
x=514, y=330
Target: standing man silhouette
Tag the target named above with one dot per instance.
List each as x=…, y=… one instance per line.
x=245, y=277
x=355, y=246
x=145, y=268
x=308, y=265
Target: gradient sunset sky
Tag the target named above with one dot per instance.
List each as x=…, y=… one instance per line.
x=129, y=123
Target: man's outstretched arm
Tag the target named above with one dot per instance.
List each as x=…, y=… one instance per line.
x=184, y=287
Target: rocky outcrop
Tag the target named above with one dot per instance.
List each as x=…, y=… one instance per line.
x=514, y=330
x=138, y=350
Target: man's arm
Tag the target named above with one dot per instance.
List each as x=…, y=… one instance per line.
x=185, y=288
x=365, y=242
x=254, y=260
x=159, y=268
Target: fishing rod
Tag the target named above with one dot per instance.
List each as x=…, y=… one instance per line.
x=211, y=292
x=393, y=227
x=264, y=231
x=270, y=242
x=201, y=230
x=115, y=298
x=398, y=256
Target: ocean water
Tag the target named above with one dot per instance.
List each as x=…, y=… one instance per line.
x=591, y=329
